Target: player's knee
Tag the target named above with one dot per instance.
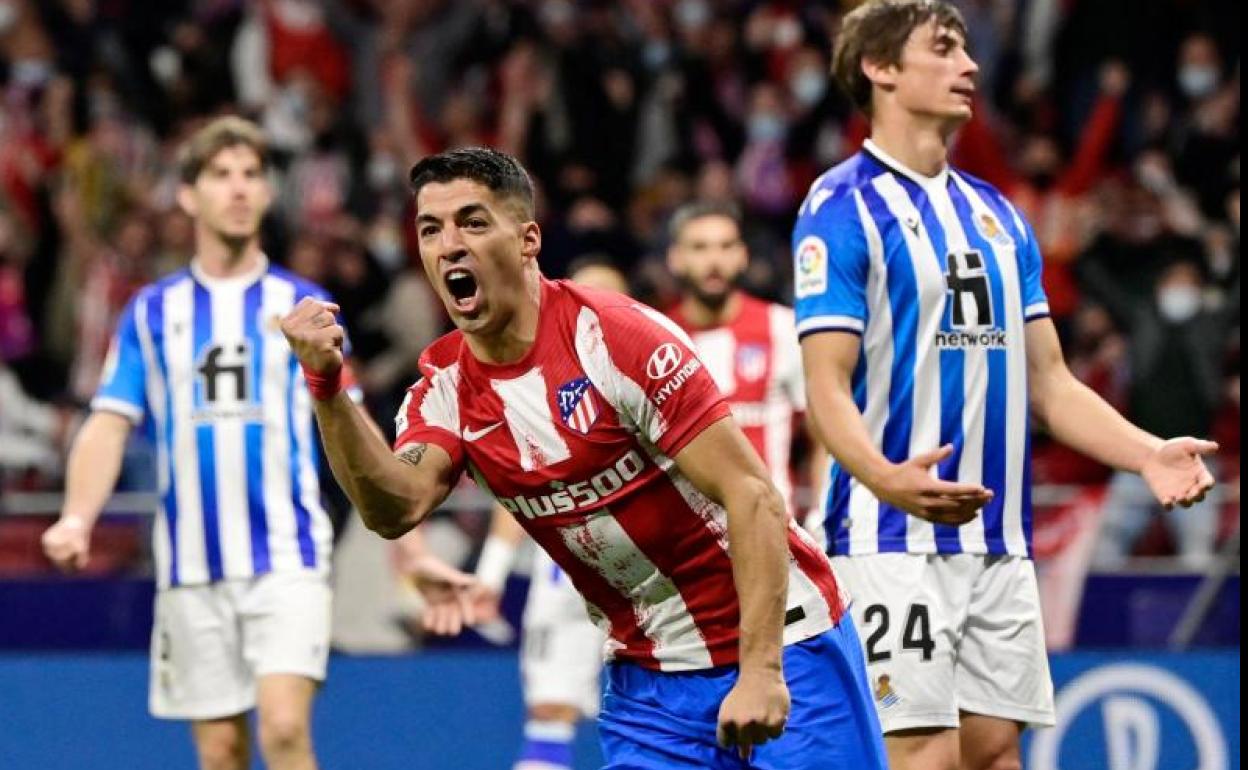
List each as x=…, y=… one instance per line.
x=283, y=732
x=223, y=751
x=1006, y=760
x=923, y=749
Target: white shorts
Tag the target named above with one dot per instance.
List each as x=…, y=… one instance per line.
x=561, y=650
x=947, y=634
x=211, y=642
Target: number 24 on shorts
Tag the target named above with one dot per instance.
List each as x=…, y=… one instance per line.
x=917, y=633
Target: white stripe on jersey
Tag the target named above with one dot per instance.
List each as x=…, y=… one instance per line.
x=864, y=509
x=974, y=380
x=591, y=349
x=278, y=299
x=230, y=452
x=805, y=594
x=779, y=404
x=440, y=408
x=601, y=544
x=716, y=348
x=930, y=287
x=1016, y=372
x=179, y=336
x=600, y=369
x=309, y=479
x=155, y=388
x=526, y=409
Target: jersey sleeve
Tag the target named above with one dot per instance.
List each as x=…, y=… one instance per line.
x=123, y=381
x=647, y=368
x=1031, y=269
x=831, y=264
x=429, y=413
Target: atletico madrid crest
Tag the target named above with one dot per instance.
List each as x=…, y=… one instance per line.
x=576, y=405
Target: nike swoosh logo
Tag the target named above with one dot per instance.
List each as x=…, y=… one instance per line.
x=474, y=435
x=914, y=227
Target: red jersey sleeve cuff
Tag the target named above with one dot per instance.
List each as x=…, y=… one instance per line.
x=448, y=442
x=679, y=436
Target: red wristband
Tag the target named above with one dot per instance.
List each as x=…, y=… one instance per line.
x=323, y=387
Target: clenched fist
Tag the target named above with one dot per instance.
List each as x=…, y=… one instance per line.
x=315, y=336
x=67, y=543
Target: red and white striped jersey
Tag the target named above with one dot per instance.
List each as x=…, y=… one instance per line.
x=576, y=440
x=756, y=361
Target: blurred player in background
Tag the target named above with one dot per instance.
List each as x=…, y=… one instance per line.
x=925, y=332
x=590, y=418
x=748, y=345
x=241, y=542
x=561, y=648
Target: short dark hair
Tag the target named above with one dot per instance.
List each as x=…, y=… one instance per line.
x=877, y=31
x=498, y=171
x=204, y=144
x=699, y=209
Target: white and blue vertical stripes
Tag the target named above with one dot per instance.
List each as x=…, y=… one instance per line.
x=202, y=364
x=939, y=277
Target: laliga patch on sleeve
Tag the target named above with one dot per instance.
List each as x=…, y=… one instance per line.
x=811, y=274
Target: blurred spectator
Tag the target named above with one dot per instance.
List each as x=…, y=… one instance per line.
x=1122, y=149
x=1176, y=353
x=33, y=435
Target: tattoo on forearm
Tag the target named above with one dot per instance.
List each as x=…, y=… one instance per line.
x=413, y=454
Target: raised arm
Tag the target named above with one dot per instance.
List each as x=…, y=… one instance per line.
x=1081, y=419
x=830, y=359
x=392, y=491
x=722, y=465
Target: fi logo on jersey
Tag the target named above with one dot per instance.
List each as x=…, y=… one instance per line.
x=576, y=405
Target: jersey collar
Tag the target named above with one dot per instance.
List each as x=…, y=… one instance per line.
x=235, y=281
x=926, y=182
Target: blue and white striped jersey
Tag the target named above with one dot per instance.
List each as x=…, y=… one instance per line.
x=939, y=276
x=202, y=364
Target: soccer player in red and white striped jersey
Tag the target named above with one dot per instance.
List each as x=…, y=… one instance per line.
x=727, y=631
x=749, y=345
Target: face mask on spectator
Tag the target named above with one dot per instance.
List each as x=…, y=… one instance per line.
x=1198, y=80
x=766, y=127
x=382, y=171
x=809, y=86
x=656, y=54
x=692, y=14
x=1179, y=304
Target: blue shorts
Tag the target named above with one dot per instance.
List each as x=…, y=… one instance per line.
x=652, y=720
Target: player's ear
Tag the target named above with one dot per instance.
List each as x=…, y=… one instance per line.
x=186, y=200
x=674, y=262
x=530, y=240
x=879, y=73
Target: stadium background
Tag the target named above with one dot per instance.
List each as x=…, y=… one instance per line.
x=1113, y=123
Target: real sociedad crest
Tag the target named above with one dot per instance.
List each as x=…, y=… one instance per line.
x=576, y=405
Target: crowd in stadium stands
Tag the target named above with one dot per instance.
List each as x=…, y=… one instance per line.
x=1114, y=125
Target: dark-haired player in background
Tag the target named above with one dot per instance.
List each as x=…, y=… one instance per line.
x=925, y=338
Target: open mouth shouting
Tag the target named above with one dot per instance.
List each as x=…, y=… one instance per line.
x=462, y=285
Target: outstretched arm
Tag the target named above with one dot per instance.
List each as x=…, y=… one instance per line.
x=1081, y=419
x=392, y=491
